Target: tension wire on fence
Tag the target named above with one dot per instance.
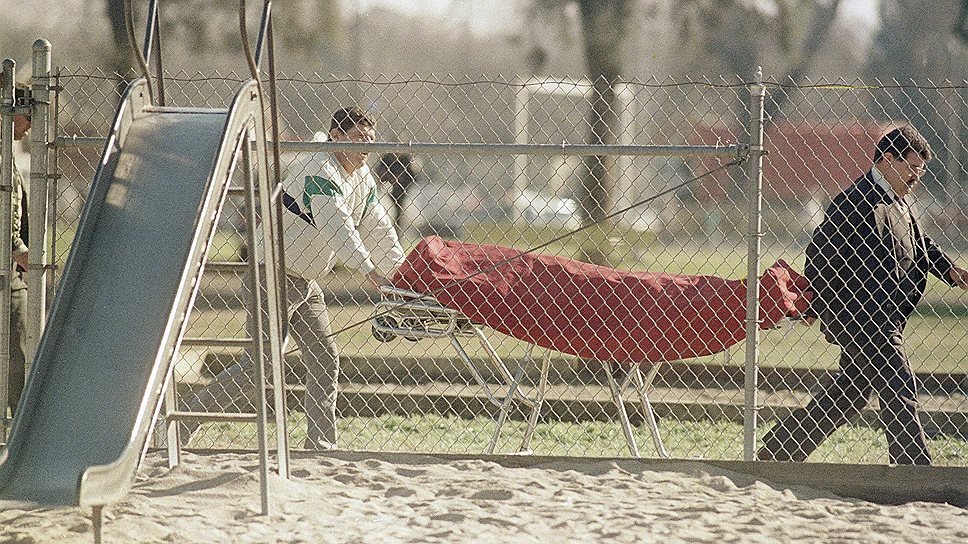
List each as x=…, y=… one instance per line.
x=502, y=262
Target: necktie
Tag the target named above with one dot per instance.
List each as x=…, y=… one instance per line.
x=900, y=217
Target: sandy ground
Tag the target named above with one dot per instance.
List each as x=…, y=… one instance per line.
x=215, y=499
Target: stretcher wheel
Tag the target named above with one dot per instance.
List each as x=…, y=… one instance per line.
x=413, y=324
x=387, y=322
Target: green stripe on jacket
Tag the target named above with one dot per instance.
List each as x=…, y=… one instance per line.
x=318, y=185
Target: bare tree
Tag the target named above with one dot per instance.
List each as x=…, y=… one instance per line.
x=734, y=34
x=737, y=34
x=960, y=27
x=915, y=45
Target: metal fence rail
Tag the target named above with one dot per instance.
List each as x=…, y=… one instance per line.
x=503, y=162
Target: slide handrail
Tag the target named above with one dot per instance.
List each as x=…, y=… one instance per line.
x=151, y=47
x=273, y=199
x=264, y=42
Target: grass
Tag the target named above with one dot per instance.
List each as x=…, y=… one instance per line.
x=934, y=344
x=686, y=440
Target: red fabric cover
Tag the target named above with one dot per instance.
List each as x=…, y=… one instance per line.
x=596, y=312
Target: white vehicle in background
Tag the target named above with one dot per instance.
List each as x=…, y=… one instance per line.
x=439, y=208
x=547, y=211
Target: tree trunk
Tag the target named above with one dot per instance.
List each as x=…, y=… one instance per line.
x=120, y=62
x=823, y=19
x=605, y=25
x=912, y=48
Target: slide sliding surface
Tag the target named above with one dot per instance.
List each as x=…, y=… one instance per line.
x=98, y=374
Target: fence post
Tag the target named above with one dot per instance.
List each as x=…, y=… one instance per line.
x=6, y=188
x=754, y=168
x=39, y=133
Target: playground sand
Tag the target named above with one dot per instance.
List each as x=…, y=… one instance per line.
x=215, y=499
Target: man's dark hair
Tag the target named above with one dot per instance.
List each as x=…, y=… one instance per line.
x=344, y=119
x=21, y=91
x=902, y=140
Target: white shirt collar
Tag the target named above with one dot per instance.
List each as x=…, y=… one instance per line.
x=882, y=182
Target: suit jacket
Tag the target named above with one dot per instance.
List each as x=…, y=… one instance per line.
x=867, y=264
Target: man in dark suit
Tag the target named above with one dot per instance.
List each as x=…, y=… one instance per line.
x=867, y=264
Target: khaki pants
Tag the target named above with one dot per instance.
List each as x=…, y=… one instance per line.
x=309, y=327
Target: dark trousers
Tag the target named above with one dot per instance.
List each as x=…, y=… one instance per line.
x=18, y=348
x=882, y=369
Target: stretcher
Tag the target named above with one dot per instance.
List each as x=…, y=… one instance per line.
x=625, y=320
x=414, y=316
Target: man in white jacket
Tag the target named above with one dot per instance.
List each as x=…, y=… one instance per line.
x=333, y=215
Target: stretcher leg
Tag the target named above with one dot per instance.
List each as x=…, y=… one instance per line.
x=504, y=408
x=642, y=386
x=469, y=363
x=416, y=316
x=539, y=399
x=497, y=363
x=623, y=415
x=513, y=382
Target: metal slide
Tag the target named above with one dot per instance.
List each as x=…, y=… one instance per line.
x=122, y=303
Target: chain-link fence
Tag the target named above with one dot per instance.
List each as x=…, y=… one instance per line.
x=424, y=392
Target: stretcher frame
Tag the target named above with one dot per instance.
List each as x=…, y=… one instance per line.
x=413, y=315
